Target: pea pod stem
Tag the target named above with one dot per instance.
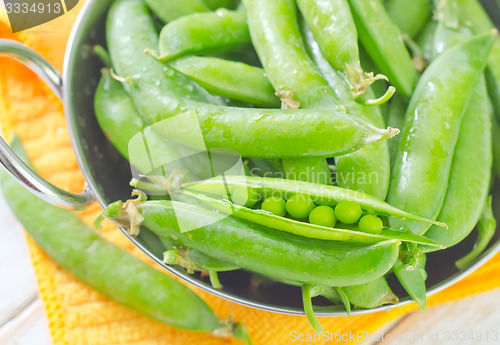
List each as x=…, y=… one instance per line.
x=345, y=300
x=214, y=280
x=321, y=194
x=308, y=308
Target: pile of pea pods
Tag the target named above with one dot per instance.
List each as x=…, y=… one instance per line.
x=365, y=128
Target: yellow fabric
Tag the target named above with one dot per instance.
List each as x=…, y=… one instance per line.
x=79, y=315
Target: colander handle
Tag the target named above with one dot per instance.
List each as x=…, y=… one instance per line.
x=14, y=165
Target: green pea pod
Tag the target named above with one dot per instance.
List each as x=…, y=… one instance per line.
x=277, y=39
x=171, y=10
x=383, y=42
x=320, y=194
x=230, y=79
x=486, y=228
x=413, y=279
x=432, y=123
x=397, y=111
x=158, y=95
x=203, y=32
x=302, y=228
x=106, y=267
x=116, y=113
x=409, y=15
x=333, y=28
x=259, y=249
x=368, y=169
x=474, y=15
x=462, y=206
x=371, y=295
x=130, y=31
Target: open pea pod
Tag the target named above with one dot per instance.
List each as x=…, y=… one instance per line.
x=320, y=194
x=299, y=228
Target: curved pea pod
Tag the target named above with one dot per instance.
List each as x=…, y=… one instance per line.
x=130, y=31
x=470, y=172
x=473, y=14
x=230, y=79
x=171, y=10
x=368, y=169
x=423, y=161
x=300, y=228
x=106, y=267
x=383, y=42
x=203, y=32
x=486, y=228
x=256, y=248
x=320, y=194
x=409, y=15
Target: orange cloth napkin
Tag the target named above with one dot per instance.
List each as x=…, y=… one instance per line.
x=77, y=314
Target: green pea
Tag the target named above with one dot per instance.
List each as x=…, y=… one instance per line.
x=323, y=215
x=371, y=224
x=300, y=206
x=348, y=212
x=276, y=205
x=245, y=197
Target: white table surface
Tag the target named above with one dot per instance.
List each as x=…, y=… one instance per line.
x=23, y=321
